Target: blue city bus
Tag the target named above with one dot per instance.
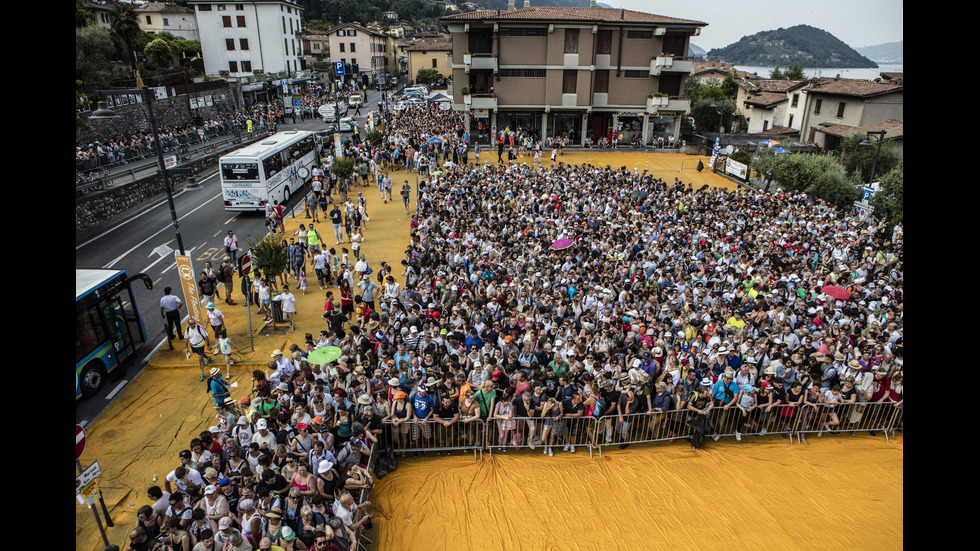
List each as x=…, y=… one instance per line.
x=108, y=326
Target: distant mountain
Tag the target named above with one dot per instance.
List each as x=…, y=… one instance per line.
x=695, y=51
x=891, y=53
x=803, y=44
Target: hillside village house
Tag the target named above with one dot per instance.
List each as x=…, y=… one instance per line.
x=713, y=73
x=429, y=53
x=157, y=17
x=249, y=37
x=371, y=50
x=572, y=72
x=767, y=104
x=849, y=102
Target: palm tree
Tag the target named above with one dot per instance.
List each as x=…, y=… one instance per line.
x=125, y=27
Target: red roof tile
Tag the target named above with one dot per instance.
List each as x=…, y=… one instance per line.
x=556, y=13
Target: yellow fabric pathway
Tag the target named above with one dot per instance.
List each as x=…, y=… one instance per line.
x=839, y=492
x=141, y=433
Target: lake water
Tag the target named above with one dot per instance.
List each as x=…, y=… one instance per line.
x=866, y=74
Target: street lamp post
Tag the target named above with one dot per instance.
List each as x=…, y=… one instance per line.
x=866, y=142
x=104, y=113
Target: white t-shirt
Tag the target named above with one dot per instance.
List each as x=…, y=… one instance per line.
x=288, y=302
x=192, y=475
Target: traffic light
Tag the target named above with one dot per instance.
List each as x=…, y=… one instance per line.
x=355, y=67
x=347, y=70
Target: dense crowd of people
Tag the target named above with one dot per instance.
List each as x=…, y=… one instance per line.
x=660, y=297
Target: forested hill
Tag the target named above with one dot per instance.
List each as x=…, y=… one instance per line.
x=804, y=45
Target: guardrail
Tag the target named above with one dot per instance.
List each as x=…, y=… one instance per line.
x=591, y=433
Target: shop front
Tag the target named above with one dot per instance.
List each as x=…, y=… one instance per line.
x=528, y=122
x=566, y=125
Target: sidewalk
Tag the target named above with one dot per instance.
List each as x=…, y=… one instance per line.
x=137, y=439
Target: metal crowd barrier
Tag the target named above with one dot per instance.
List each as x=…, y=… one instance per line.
x=755, y=422
x=434, y=436
x=365, y=495
x=851, y=418
x=536, y=432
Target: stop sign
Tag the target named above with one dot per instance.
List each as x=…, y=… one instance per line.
x=246, y=264
x=79, y=441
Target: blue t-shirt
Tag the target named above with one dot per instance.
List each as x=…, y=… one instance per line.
x=719, y=391
x=218, y=387
x=423, y=404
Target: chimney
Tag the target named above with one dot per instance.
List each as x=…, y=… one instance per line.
x=510, y=5
x=591, y=3
x=527, y=3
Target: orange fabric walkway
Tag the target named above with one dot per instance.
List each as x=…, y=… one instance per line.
x=836, y=493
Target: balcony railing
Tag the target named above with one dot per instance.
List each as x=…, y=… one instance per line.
x=671, y=64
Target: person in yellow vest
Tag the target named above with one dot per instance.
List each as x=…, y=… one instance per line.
x=736, y=321
x=248, y=126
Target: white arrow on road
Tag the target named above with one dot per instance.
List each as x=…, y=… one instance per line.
x=163, y=251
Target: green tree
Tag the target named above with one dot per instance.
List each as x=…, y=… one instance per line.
x=268, y=256
x=776, y=74
x=706, y=113
x=730, y=87
x=125, y=26
x=762, y=163
x=93, y=67
x=160, y=54
x=343, y=167
x=889, y=201
x=858, y=159
x=427, y=75
x=374, y=137
x=817, y=175
x=795, y=72
x=82, y=17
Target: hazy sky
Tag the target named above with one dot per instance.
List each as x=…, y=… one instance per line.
x=857, y=22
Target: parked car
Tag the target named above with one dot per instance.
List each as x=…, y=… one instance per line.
x=355, y=101
x=347, y=125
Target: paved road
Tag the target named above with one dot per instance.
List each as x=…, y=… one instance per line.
x=130, y=244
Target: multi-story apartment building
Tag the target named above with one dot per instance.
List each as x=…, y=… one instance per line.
x=849, y=102
x=158, y=17
x=366, y=48
x=574, y=72
x=247, y=37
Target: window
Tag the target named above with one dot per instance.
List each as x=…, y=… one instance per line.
x=604, y=42
x=342, y=47
x=241, y=20
x=226, y=21
x=352, y=32
x=435, y=63
x=230, y=44
x=243, y=43
x=840, y=109
x=166, y=22
x=149, y=21
x=352, y=47
x=523, y=73
x=816, y=107
x=232, y=66
x=239, y=7
x=246, y=66
x=791, y=121
x=571, y=41
x=221, y=7
x=204, y=7
x=602, y=82
x=796, y=99
x=639, y=34
x=341, y=33
x=636, y=73
x=569, y=82
x=765, y=125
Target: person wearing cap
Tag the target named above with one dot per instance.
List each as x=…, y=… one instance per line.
x=214, y=504
x=196, y=340
x=699, y=405
x=215, y=318
x=423, y=407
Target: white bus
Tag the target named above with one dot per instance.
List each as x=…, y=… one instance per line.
x=268, y=170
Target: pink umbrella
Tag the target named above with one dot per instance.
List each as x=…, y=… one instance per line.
x=837, y=292
x=562, y=244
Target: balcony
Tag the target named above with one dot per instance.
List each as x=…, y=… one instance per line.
x=673, y=104
x=480, y=61
x=483, y=101
x=671, y=64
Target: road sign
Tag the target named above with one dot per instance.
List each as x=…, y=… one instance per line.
x=339, y=68
x=88, y=475
x=79, y=441
x=246, y=264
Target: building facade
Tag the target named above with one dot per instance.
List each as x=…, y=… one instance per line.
x=571, y=72
x=247, y=38
x=367, y=49
x=849, y=102
x=158, y=17
x=432, y=54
